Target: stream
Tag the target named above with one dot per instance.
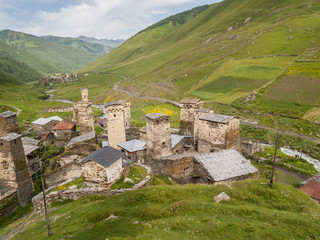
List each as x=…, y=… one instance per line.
x=309, y=159
x=99, y=106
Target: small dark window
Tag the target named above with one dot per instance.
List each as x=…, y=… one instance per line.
x=1, y=144
x=15, y=141
x=163, y=143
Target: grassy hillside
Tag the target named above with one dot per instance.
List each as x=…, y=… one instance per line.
x=76, y=43
x=185, y=212
x=106, y=42
x=64, y=58
x=169, y=58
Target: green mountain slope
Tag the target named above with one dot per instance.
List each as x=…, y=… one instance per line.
x=76, y=43
x=169, y=59
x=106, y=42
x=62, y=57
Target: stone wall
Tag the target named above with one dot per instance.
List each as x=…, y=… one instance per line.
x=8, y=123
x=115, y=125
x=59, y=109
x=8, y=204
x=14, y=170
x=251, y=147
x=158, y=137
x=214, y=136
x=62, y=174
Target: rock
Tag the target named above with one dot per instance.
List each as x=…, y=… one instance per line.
x=128, y=180
x=221, y=197
x=111, y=217
x=290, y=30
x=229, y=29
x=290, y=38
x=136, y=222
x=247, y=21
x=73, y=187
x=234, y=37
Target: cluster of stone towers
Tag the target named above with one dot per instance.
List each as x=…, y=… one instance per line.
x=118, y=120
x=83, y=113
x=13, y=166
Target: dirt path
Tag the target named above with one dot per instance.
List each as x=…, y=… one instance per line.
x=116, y=88
x=18, y=109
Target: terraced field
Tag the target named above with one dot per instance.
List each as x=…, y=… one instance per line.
x=238, y=77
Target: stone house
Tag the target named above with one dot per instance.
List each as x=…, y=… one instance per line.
x=8, y=123
x=103, y=166
x=135, y=150
x=188, y=107
x=224, y=166
x=43, y=125
x=181, y=144
x=218, y=132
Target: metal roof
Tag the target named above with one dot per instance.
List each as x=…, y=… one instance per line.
x=10, y=136
x=7, y=114
x=225, y=164
x=82, y=138
x=56, y=118
x=133, y=145
x=42, y=121
x=104, y=157
x=175, y=139
x=212, y=117
x=64, y=125
x=29, y=149
x=312, y=187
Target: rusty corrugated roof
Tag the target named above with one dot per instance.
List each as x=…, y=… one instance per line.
x=312, y=187
x=64, y=125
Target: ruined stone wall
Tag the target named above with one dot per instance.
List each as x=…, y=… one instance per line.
x=127, y=115
x=85, y=117
x=115, y=125
x=14, y=170
x=181, y=168
x=158, y=136
x=95, y=173
x=62, y=174
x=188, y=108
x=251, y=147
x=233, y=140
x=59, y=109
x=9, y=124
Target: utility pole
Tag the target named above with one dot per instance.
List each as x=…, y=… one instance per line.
x=45, y=199
x=274, y=159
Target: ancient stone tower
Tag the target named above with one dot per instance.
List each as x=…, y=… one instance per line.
x=197, y=114
x=14, y=171
x=127, y=114
x=218, y=132
x=115, y=123
x=8, y=123
x=83, y=113
x=158, y=135
x=188, y=106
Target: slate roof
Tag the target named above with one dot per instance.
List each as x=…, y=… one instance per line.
x=104, y=157
x=156, y=115
x=10, y=136
x=56, y=118
x=175, y=139
x=7, y=114
x=82, y=138
x=133, y=145
x=225, y=164
x=29, y=141
x=312, y=187
x=190, y=101
x=64, y=125
x=105, y=144
x=29, y=149
x=212, y=117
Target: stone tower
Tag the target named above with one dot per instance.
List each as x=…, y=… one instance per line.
x=14, y=170
x=115, y=123
x=83, y=113
x=127, y=114
x=197, y=114
x=8, y=123
x=188, y=106
x=158, y=137
x=84, y=95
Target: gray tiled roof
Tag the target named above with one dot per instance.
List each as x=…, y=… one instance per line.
x=225, y=164
x=156, y=115
x=105, y=156
x=29, y=149
x=175, y=139
x=29, y=141
x=82, y=138
x=10, y=136
x=7, y=114
x=133, y=145
x=212, y=117
x=42, y=121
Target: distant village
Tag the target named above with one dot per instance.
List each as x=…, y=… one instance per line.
x=52, y=80
x=206, y=149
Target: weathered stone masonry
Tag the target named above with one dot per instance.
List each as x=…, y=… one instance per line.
x=8, y=123
x=188, y=107
x=83, y=113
